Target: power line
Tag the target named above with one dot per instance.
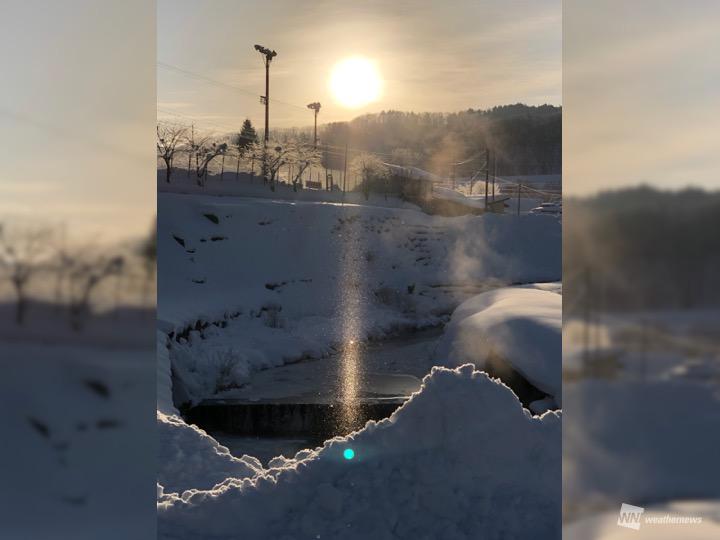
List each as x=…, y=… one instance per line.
x=198, y=120
x=222, y=84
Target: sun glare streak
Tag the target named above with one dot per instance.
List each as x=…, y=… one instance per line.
x=352, y=317
x=355, y=82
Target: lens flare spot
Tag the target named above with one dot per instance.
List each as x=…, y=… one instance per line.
x=349, y=453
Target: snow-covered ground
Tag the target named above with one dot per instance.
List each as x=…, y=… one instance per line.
x=642, y=422
x=253, y=283
x=246, y=185
x=460, y=460
x=247, y=283
x=77, y=459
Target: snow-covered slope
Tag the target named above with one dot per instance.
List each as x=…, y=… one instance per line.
x=305, y=255
x=460, y=460
x=251, y=283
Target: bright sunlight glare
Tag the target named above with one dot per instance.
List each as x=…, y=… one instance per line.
x=355, y=82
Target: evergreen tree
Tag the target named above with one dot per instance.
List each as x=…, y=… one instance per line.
x=247, y=135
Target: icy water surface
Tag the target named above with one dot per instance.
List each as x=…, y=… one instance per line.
x=383, y=372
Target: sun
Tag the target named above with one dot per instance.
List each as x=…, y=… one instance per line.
x=355, y=82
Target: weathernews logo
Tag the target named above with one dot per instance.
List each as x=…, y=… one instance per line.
x=631, y=517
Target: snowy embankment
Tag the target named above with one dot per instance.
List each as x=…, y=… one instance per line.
x=461, y=459
x=246, y=284
x=519, y=325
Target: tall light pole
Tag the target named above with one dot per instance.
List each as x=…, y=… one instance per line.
x=487, y=175
x=268, y=55
x=315, y=107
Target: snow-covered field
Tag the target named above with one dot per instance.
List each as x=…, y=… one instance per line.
x=77, y=462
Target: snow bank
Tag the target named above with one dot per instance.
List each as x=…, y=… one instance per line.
x=189, y=458
x=461, y=459
x=521, y=325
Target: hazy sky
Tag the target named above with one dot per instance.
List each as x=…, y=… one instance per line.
x=640, y=94
x=78, y=102
x=77, y=115
x=433, y=56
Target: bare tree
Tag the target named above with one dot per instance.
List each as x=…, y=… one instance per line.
x=274, y=155
x=205, y=151
x=168, y=139
x=23, y=254
x=88, y=271
x=372, y=170
x=303, y=156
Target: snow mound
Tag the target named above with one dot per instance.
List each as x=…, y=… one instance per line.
x=190, y=458
x=521, y=325
x=461, y=459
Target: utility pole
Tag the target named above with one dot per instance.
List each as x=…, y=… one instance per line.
x=487, y=175
x=518, y=199
x=345, y=168
x=192, y=146
x=268, y=55
x=586, y=319
x=315, y=106
x=494, y=173
x=454, y=165
x=237, y=171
